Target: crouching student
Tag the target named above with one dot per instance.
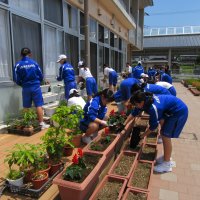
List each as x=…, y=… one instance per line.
x=170, y=111
x=75, y=99
x=94, y=113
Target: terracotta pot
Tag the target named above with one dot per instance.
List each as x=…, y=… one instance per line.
x=110, y=179
x=28, y=175
x=55, y=168
x=79, y=191
x=150, y=167
x=76, y=140
x=46, y=170
x=133, y=191
x=28, y=129
x=37, y=184
x=148, y=156
x=67, y=151
x=117, y=162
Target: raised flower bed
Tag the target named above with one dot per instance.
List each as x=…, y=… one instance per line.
x=79, y=178
x=149, y=152
x=140, y=177
x=124, y=164
x=110, y=188
x=152, y=138
x=132, y=194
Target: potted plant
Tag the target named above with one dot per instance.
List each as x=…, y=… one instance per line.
x=116, y=121
x=80, y=177
x=15, y=177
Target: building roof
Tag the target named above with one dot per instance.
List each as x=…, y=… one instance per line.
x=172, y=41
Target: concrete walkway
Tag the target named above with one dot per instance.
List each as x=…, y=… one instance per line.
x=183, y=183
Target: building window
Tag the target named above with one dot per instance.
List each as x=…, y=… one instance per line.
x=120, y=44
x=30, y=6
x=116, y=61
x=4, y=47
x=93, y=29
x=101, y=33
x=82, y=23
x=116, y=41
x=106, y=53
x=4, y=1
x=111, y=39
x=72, y=19
x=120, y=62
x=106, y=36
x=23, y=30
x=72, y=50
x=53, y=11
x=101, y=58
x=53, y=44
x=113, y=59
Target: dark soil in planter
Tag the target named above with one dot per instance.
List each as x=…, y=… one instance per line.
x=141, y=175
x=110, y=191
x=152, y=138
x=90, y=161
x=148, y=153
x=124, y=165
x=136, y=196
x=102, y=144
x=115, y=129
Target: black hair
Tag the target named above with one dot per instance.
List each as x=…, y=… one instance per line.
x=83, y=66
x=74, y=94
x=25, y=51
x=151, y=82
x=137, y=87
x=139, y=96
x=107, y=93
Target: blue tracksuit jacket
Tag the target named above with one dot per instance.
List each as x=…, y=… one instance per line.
x=165, y=77
x=164, y=106
x=27, y=73
x=156, y=89
x=137, y=71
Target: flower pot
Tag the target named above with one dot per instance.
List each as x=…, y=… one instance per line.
x=132, y=194
x=141, y=176
x=18, y=182
x=149, y=152
x=40, y=180
x=124, y=164
x=67, y=151
x=29, y=129
x=110, y=187
x=47, y=170
x=28, y=175
x=82, y=190
x=55, y=168
x=76, y=140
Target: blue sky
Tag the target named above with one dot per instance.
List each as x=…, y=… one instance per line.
x=165, y=13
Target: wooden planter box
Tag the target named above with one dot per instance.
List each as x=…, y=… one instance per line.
x=126, y=161
x=79, y=191
x=22, y=132
x=152, y=138
x=132, y=194
x=194, y=91
x=141, y=176
x=107, y=182
x=148, y=153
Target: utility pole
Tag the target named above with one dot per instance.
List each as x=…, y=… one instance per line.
x=86, y=28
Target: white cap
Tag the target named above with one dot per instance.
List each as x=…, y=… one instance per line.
x=80, y=63
x=60, y=57
x=139, y=62
x=143, y=75
x=72, y=91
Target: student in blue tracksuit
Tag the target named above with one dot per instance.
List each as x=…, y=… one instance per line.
x=170, y=111
x=138, y=70
x=91, y=85
x=28, y=75
x=129, y=70
x=151, y=73
x=111, y=74
x=168, y=86
x=146, y=87
x=94, y=113
x=162, y=76
x=66, y=73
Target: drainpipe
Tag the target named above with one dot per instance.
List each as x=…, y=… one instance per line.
x=86, y=26
x=170, y=57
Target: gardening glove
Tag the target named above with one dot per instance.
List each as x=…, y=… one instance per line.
x=104, y=123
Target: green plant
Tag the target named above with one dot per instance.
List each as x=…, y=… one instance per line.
x=75, y=171
x=116, y=118
x=28, y=117
x=14, y=174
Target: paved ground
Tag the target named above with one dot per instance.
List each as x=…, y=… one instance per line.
x=181, y=184
x=184, y=182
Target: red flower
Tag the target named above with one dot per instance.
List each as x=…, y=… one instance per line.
x=75, y=159
x=80, y=152
x=106, y=130
x=112, y=113
x=123, y=113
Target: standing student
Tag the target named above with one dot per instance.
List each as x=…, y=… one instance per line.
x=66, y=73
x=94, y=113
x=111, y=74
x=91, y=85
x=138, y=70
x=28, y=75
x=167, y=109
x=128, y=70
x=151, y=73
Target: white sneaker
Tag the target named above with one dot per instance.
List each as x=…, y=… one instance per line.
x=163, y=167
x=86, y=139
x=44, y=125
x=94, y=135
x=160, y=160
x=160, y=140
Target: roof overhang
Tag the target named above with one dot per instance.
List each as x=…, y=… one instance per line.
x=145, y=3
